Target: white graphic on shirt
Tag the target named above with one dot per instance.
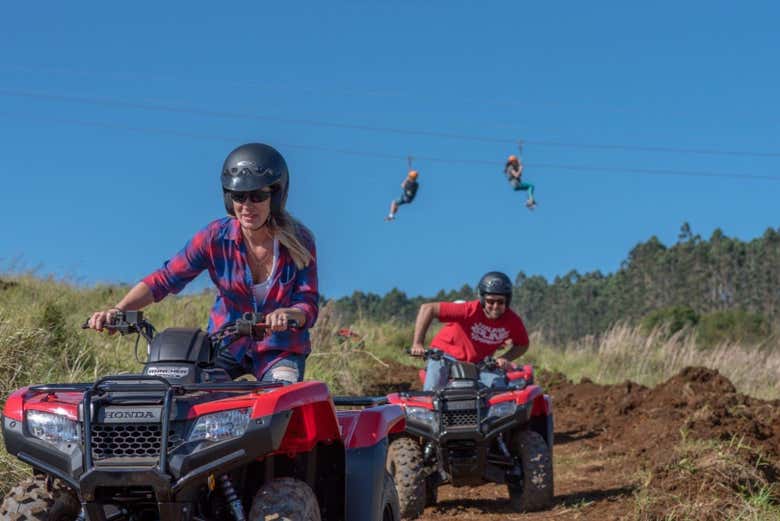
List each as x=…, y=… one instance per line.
x=489, y=335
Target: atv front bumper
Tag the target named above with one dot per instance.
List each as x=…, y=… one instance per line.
x=467, y=452
x=176, y=489
x=482, y=430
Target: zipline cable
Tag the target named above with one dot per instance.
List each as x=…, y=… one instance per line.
x=396, y=157
x=109, y=102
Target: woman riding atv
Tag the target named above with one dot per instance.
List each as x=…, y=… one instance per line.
x=260, y=259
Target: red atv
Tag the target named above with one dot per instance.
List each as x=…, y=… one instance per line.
x=182, y=442
x=470, y=434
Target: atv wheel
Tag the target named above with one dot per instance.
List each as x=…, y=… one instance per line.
x=405, y=464
x=285, y=499
x=391, y=511
x=536, y=490
x=30, y=501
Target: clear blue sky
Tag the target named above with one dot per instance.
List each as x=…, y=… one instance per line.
x=115, y=119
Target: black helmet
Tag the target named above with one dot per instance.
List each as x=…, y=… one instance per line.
x=495, y=283
x=254, y=166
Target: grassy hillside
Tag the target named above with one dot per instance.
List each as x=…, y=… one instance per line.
x=41, y=341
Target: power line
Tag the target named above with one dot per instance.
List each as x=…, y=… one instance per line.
x=402, y=157
x=280, y=86
x=369, y=128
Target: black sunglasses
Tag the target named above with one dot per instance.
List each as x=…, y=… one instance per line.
x=258, y=196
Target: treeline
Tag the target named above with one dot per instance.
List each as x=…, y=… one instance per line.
x=705, y=276
x=393, y=306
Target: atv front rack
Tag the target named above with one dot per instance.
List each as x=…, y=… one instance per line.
x=141, y=383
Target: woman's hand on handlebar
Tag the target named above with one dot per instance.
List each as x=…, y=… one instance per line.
x=137, y=298
x=101, y=318
x=284, y=318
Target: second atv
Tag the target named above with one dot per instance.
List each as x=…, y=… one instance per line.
x=468, y=434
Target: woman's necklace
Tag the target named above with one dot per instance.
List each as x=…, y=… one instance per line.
x=258, y=264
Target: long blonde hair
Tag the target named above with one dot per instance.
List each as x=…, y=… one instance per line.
x=292, y=235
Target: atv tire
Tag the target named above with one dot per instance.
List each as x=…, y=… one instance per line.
x=30, y=501
x=405, y=464
x=536, y=490
x=391, y=511
x=285, y=499
x=431, y=492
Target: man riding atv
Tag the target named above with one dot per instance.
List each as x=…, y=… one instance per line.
x=479, y=419
x=473, y=331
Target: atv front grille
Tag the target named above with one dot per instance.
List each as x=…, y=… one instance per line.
x=131, y=440
x=460, y=418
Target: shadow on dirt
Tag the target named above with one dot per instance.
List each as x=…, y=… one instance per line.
x=587, y=496
x=452, y=507
x=562, y=438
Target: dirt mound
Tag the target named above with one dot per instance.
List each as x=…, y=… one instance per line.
x=704, y=445
x=393, y=377
x=712, y=409
x=699, y=401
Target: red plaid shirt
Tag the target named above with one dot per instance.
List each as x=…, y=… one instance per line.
x=220, y=249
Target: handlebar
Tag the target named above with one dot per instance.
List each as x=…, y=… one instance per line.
x=486, y=364
x=126, y=322
x=436, y=354
x=250, y=324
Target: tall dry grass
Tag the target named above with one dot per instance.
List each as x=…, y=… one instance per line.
x=347, y=356
x=627, y=353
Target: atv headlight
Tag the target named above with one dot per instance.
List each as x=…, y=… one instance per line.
x=502, y=409
x=53, y=428
x=421, y=414
x=220, y=426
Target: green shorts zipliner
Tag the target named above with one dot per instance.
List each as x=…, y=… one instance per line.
x=520, y=186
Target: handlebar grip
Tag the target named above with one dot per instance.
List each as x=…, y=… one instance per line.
x=291, y=324
x=258, y=320
x=106, y=325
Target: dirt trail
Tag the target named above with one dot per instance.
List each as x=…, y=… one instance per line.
x=615, y=444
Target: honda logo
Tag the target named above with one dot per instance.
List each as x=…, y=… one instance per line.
x=128, y=415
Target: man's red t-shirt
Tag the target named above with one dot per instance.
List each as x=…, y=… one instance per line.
x=470, y=336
